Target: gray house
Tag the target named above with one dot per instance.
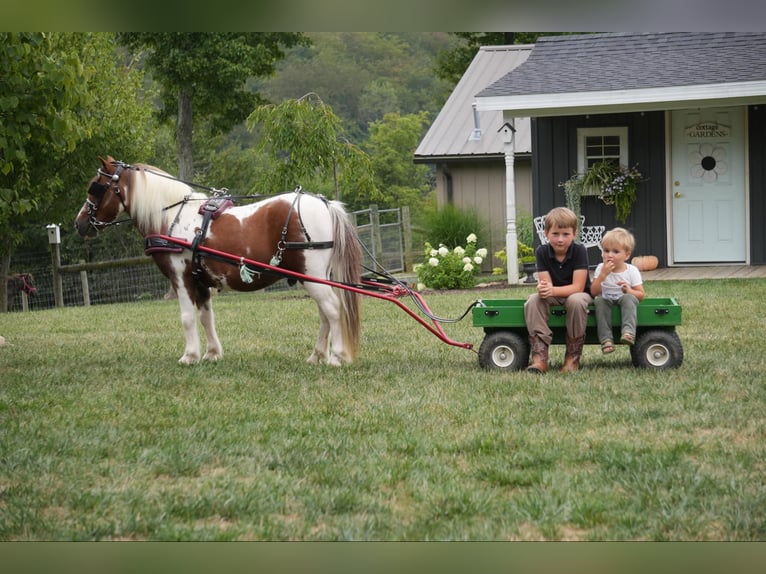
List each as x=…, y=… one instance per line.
x=689, y=109
x=468, y=150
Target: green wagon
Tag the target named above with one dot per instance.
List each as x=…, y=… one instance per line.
x=506, y=340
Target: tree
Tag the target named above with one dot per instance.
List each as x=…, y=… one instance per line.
x=38, y=94
x=305, y=141
x=391, y=146
x=364, y=75
x=205, y=74
x=63, y=99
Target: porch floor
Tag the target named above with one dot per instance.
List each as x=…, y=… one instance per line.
x=706, y=272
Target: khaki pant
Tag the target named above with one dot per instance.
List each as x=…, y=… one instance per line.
x=537, y=311
x=628, y=311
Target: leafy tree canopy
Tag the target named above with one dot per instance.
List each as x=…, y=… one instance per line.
x=40, y=90
x=64, y=100
x=364, y=75
x=305, y=141
x=213, y=66
x=391, y=145
x=204, y=77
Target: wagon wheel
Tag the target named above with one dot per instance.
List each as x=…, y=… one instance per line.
x=657, y=349
x=504, y=350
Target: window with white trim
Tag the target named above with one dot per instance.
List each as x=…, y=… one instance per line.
x=599, y=144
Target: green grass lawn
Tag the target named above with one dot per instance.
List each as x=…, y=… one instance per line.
x=106, y=437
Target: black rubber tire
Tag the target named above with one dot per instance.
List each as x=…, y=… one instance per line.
x=657, y=349
x=504, y=351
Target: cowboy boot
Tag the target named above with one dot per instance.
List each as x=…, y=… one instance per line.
x=539, y=355
x=573, y=354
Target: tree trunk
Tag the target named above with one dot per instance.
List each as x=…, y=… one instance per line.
x=184, y=136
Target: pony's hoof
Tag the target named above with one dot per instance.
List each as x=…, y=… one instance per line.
x=188, y=360
x=315, y=358
x=212, y=356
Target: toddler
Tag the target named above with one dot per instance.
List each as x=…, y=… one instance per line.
x=616, y=282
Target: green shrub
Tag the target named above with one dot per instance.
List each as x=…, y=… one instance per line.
x=450, y=225
x=525, y=228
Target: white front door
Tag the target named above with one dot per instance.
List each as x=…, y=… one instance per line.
x=708, y=186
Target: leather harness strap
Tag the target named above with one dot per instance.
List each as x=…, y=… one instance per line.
x=211, y=210
x=284, y=244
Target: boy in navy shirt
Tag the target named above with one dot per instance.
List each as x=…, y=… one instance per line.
x=562, y=279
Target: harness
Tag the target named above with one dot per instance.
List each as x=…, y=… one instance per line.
x=98, y=190
x=212, y=210
x=282, y=244
x=25, y=279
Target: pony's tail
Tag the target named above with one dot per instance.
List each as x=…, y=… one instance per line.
x=345, y=266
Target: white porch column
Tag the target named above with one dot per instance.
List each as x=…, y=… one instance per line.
x=511, y=246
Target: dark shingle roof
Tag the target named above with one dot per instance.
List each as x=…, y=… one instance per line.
x=628, y=61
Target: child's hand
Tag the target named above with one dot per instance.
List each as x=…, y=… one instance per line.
x=544, y=289
x=606, y=269
x=624, y=285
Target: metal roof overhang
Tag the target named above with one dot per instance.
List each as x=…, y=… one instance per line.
x=615, y=101
x=458, y=158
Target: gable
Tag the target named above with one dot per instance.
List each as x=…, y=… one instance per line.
x=452, y=134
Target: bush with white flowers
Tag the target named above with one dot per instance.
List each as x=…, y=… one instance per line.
x=445, y=268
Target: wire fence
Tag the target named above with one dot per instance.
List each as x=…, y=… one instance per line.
x=132, y=276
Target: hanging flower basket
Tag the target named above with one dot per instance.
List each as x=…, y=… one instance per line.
x=614, y=184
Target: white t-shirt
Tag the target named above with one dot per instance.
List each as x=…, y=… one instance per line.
x=610, y=289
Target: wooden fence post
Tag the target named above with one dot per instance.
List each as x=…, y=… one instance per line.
x=58, y=286
x=407, y=238
x=85, y=287
x=54, y=239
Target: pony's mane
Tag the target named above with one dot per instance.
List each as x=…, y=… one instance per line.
x=152, y=191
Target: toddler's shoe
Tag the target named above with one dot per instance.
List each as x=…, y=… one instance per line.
x=607, y=347
x=627, y=338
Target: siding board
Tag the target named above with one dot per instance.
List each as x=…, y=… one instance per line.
x=555, y=159
x=757, y=159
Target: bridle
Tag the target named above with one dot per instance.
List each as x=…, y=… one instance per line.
x=26, y=283
x=98, y=190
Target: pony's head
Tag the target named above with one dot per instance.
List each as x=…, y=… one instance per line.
x=22, y=282
x=105, y=200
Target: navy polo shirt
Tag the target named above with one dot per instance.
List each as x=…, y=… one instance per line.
x=562, y=272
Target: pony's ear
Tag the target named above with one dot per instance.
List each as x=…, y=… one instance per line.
x=106, y=162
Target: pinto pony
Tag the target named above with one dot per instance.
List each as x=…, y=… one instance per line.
x=299, y=232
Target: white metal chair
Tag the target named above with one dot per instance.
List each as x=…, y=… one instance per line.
x=590, y=235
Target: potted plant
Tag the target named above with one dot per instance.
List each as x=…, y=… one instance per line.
x=526, y=260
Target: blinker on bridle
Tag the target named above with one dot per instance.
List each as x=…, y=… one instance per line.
x=97, y=190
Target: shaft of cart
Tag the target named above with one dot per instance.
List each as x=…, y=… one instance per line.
x=388, y=292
